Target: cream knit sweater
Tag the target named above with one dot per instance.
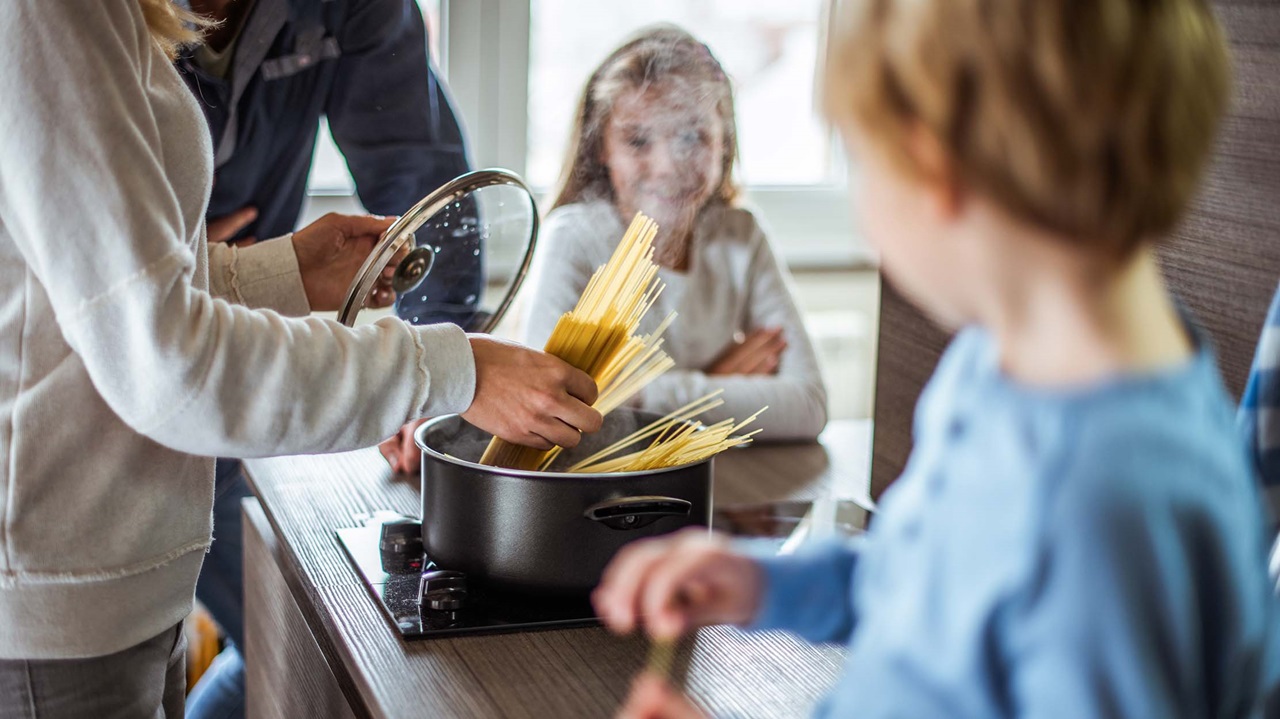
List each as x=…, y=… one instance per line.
x=119, y=373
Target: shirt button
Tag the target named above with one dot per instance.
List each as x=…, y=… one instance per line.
x=956, y=429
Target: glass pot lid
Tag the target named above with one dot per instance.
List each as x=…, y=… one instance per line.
x=459, y=255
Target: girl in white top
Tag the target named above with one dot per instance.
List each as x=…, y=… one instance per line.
x=655, y=133
x=120, y=374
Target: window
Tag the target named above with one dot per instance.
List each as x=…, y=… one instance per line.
x=768, y=48
x=516, y=67
x=431, y=13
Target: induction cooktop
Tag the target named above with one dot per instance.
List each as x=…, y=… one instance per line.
x=422, y=600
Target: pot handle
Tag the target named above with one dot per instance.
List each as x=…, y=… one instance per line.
x=636, y=512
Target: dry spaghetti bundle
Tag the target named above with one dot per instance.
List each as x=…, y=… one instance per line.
x=598, y=336
x=678, y=439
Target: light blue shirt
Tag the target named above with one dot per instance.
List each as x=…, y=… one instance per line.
x=1089, y=553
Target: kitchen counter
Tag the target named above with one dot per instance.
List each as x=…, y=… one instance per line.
x=318, y=646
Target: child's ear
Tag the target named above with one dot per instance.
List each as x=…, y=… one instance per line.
x=938, y=173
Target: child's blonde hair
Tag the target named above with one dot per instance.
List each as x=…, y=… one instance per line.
x=1090, y=118
x=662, y=52
x=172, y=27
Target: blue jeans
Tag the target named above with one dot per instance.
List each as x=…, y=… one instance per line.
x=220, y=692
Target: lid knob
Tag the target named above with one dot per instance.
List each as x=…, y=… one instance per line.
x=413, y=269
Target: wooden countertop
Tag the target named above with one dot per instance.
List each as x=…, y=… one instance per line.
x=562, y=673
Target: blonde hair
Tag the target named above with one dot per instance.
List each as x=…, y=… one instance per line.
x=655, y=54
x=1090, y=118
x=172, y=27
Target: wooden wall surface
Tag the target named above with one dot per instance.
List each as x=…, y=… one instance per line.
x=1224, y=262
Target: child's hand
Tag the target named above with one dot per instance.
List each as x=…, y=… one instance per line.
x=760, y=353
x=653, y=698
x=677, y=583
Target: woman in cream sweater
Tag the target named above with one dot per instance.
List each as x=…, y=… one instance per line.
x=120, y=372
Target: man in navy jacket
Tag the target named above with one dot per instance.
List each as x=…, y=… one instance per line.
x=266, y=76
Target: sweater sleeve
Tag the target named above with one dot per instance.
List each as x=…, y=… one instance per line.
x=87, y=196
x=263, y=275
x=560, y=272
x=795, y=395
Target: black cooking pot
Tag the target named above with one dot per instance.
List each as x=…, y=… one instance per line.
x=548, y=533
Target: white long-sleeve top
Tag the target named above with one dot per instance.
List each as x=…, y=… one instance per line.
x=734, y=283
x=119, y=373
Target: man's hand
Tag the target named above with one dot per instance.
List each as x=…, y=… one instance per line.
x=758, y=354
x=401, y=452
x=330, y=252
x=226, y=227
x=529, y=397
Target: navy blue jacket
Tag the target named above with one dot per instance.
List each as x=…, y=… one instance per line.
x=364, y=65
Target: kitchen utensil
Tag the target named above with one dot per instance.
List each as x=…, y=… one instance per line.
x=459, y=255
x=546, y=532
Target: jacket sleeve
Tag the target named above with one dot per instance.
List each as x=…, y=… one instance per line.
x=393, y=121
x=88, y=196
x=387, y=110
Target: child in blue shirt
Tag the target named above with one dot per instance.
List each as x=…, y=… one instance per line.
x=1077, y=533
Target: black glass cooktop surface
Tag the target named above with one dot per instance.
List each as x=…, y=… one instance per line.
x=424, y=601
x=397, y=583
